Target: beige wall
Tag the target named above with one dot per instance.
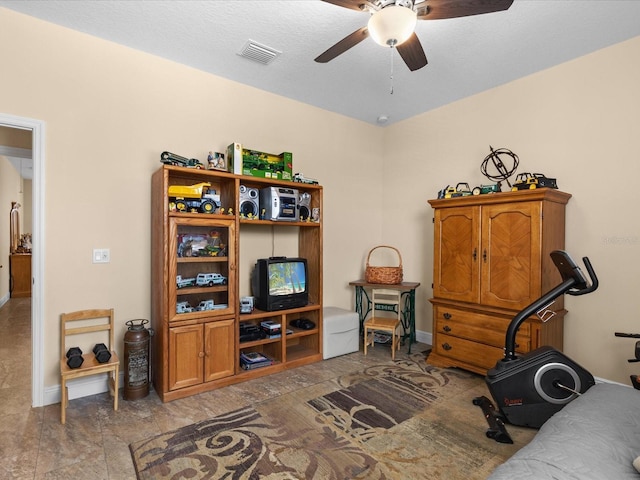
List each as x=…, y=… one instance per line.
x=578, y=122
x=110, y=111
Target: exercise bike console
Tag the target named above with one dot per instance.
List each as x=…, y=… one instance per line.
x=529, y=389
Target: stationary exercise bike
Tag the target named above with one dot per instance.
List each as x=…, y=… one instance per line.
x=635, y=379
x=530, y=389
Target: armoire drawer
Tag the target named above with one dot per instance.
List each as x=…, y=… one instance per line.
x=479, y=327
x=466, y=351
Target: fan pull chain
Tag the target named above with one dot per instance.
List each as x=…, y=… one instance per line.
x=391, y=76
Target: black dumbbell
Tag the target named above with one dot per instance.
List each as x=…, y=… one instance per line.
x=102, y=353
x=74, y=357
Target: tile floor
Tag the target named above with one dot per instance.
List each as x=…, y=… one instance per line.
x=93, y=444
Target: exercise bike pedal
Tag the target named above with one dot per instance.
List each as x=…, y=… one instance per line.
x=497, y=429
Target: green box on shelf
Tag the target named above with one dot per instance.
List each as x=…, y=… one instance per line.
x=266, y=165
x=244, y=161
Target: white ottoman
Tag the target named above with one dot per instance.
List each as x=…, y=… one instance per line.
x=341, y=332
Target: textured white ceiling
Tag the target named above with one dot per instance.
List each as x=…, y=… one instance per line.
x=466, y=55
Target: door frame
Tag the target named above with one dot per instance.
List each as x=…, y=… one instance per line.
x=37, y=128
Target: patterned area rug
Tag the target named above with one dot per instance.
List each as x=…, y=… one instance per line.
x=398, y=420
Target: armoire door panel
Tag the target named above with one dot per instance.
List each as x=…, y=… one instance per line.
x=456, y=256
x=511, y=255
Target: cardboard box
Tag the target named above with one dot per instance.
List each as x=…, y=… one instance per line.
x=243, y=161
x=266, y=165
x=234, y=158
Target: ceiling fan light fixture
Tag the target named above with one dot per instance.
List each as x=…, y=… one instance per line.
x=392, y=25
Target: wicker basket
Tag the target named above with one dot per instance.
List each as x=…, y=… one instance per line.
x=383, y=275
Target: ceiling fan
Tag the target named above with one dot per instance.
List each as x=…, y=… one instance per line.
x=392, y=23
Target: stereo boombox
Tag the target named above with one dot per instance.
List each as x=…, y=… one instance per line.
x=279, y=203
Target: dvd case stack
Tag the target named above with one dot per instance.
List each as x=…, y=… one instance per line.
x=271, y=329
x=253, y=360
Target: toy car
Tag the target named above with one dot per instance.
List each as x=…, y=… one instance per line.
x=460, y=190
x=482, y=189
x=524, y=181
x=185, y=282
x=544, y=181
x=529, y=181
x=246, y=305
x=183, y=307
x=197, y=198
x=205, y=305
x=169, y=158
x=210, y=279
x=300, y=178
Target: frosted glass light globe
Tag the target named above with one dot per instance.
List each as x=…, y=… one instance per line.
x=392, y=25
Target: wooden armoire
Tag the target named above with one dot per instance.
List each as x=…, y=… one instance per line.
x=492, y=259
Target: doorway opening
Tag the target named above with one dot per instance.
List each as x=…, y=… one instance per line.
x=37, y=260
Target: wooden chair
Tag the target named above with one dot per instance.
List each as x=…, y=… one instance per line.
x=89, y=321
x=386, y=300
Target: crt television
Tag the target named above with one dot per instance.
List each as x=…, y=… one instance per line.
x=280, y=283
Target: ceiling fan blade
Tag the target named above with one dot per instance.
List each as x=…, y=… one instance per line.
x=412, y=53
x=359, y=5
x=439, y=9
x=343, y=45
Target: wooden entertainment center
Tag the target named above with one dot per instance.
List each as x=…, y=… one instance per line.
x=199, y=350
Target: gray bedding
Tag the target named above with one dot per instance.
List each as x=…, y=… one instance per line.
x=596, y=436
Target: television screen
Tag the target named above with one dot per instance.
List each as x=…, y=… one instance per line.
x=279, y=283
x=287, y=278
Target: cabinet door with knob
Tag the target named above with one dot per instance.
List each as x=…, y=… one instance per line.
x=200, y=353
x=457, y=243
x=510, y=260
x=492, y=259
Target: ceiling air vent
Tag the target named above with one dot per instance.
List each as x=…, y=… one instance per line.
x=259, y=53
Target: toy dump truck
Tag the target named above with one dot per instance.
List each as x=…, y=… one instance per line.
x=193, y=198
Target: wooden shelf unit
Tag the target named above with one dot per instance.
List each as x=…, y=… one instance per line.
x=197, y=351
x=491, y=259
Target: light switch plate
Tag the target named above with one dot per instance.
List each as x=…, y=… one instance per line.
x=101, y=255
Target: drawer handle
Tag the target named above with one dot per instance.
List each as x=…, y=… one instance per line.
x=446, y=346
x=446, y=328
x=447, y=316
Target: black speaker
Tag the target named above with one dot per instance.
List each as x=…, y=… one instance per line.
x=249, y=203
x=304, y=206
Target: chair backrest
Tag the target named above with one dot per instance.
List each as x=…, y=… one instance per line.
x=95, y=320
x=386, y=300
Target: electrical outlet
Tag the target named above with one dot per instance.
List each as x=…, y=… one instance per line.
x=101, y=255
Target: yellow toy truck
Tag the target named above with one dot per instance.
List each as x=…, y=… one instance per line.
x=193, y=198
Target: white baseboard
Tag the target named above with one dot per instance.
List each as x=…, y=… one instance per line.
x=604, y=380
x=5, y=299
x=95, y=384
x=80, y=387
x=424, y=337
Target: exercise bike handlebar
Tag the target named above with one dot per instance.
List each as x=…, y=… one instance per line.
x=592, y=276
x=574, y=283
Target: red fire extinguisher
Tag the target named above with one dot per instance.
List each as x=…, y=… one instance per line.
x=137, y=363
